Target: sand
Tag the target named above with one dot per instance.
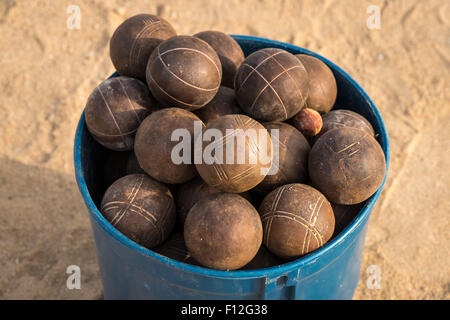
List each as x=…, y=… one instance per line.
x=48, y=71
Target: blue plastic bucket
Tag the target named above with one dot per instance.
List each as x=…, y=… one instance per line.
x=130, y=271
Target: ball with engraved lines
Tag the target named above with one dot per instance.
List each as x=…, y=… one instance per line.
x=184, y=72
x=297, y=219
x=240, y=155
x=141, y=208
x=115, y=109
x=347, y=165
x=271, y=85
x=134, y=41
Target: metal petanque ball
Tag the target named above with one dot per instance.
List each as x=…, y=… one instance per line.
x=308, y=121
x=223, y=103
x=245, y=157
x=347, y=165
x=133, y=42
x=345, y=118
x=184, y=72
x=115, y=109
x=297, y=219
x=322, y=84
x=229, y=52
x=189, y=193
x=141, y=208
x=154, y=145
x=271, y=85
x=223, y=231
x=293, y=152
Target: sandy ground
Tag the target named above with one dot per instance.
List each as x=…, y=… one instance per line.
x=48, y=71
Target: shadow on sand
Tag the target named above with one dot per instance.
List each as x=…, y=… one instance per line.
x=44, y=228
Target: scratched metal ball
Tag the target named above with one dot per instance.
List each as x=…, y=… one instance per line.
x=184, y=72
x=229, y=52
x=297, y=219
x=191, y=192
x=223, y=231
x=141, y=208
x=133, y=42
x=223, y=103
x=290, y=163
x=155, y=148
x=322, y=84
x=347, y=165
x=239, y=156
x=344, y=118
x=271, y=85
x=115, y=109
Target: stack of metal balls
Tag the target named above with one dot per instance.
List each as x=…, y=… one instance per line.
x=187, y=177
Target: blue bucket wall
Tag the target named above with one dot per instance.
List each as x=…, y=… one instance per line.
x=130, y=271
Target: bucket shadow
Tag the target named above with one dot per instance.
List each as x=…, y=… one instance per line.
x=44, y=229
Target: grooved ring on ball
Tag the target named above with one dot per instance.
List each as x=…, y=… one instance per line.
x=159, y=56
x=175, y=99
x=135, y=57
x=255, y=69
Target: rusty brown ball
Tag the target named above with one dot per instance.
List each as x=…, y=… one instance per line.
x=141, y=208
x=292, y=161
x=297, y=219
x=345, y=118
x=115, y=109
x=271, y=85
x=322, y=84
x=154, y=145
x=347, y=165
x=223, y=103
x=191, y=192
x=223, y=231
x=245, y=159
x=308, y=121
x=133, y=42
x=184, y=72
x=229, y=52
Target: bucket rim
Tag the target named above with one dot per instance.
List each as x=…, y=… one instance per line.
x=274, y=271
